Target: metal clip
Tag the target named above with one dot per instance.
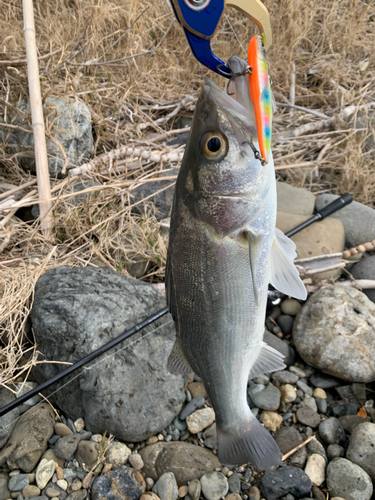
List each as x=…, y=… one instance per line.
x=201, y=18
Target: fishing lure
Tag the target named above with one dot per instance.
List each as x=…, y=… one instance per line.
x=260, y=92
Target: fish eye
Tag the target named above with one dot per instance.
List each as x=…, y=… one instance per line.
x=214, y=146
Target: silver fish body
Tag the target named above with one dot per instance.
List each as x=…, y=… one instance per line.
x=218, y=270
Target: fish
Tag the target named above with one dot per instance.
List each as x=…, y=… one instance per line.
x=223, y=252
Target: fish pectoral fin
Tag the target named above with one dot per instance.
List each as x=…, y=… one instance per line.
x=284, y=275
x=253, y=244
x=268, y=360
x=177, y=361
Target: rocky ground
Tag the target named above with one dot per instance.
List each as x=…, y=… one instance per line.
x=128, y=429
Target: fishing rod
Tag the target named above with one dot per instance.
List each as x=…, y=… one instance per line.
x=337, y=204
x=340, y=202
x=101, y=350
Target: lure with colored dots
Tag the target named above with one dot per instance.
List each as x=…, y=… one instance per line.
x=260, y=92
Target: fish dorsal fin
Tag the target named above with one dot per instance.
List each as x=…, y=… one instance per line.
x=268, y=360
x=177, y=361
x=284, y=275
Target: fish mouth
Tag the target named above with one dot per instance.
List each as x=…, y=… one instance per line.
x=241, y=119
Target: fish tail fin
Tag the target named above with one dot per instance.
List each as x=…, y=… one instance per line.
x=254, y=444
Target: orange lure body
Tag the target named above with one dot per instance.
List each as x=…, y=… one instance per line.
x=260, y=92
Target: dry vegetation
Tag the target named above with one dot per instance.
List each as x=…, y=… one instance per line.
x=130, y=63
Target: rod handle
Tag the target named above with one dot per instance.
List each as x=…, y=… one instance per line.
x=341, y=202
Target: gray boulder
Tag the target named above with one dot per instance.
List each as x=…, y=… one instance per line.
x=361, y=449
x=365, y=270
x=358, y=220
x=8, y=421
x=69, y=124
x=293, y=200
x=130, y=392
x=29, y=439
x=185, y=460
x=348, y=480
x=335, y=332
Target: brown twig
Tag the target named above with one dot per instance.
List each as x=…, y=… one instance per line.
x=287, y=455
x=292, y=89
x=316, y=126
x=19, y=188
x=24, y=61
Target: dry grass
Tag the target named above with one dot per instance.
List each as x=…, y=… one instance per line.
x=331, y=43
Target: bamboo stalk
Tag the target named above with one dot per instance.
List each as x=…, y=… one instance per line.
x=41, y=161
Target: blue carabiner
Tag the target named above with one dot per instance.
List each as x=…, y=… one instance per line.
x=200, y=20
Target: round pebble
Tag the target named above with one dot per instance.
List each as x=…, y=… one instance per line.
x=254, y=493
x=79, y=424
x=290, y=307
x=233, y=496
x=285, y=322
x=152, y=440
x=149, y=495
x=192, y=406
x=149, y=483
x=287, y=393
x=348, y=480
x=52, y=491
x=182, y=491
x=335, y=451
x=31, y=491
x=214, y=485
x=200, y=420
x=307, y=416
x=18, y=482
x=284, y=377
x=166, y=487
x=136, y=461
x=14, y=473
x=315, y=469
x=234, y=483
x=271, y=420
x=262, y=379
x=322, y=405
x=265, y=398
x=304, y=387
x=180, y=424
x=61, y=483
x=44, y=472
x=123, y=482
x=62, y=430
x=319, y=393
x=195, y=489
x=361, y=449
x=331, y=431
x=311, y=403
x=118, y=453
x=297, y=370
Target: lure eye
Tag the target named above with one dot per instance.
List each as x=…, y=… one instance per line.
x=214, y=146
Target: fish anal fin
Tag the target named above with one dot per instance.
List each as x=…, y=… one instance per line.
x=269, y=360
x=253, y=444
x=284, y=275
x=177, y=361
